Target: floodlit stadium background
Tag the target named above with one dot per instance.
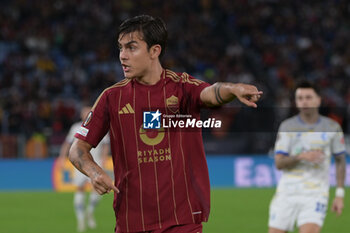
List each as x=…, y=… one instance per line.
x=55, y=55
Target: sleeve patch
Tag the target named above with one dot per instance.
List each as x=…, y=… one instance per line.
x=281, y=152
x=83, y=131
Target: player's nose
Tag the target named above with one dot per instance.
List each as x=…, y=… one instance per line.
x=123, y=55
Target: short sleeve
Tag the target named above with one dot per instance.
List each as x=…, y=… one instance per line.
x=282, y=144
x=192, y=90
x=96, y=124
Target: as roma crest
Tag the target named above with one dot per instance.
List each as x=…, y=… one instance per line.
x=172, y=104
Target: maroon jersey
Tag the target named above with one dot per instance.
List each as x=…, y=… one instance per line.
x=162, y=174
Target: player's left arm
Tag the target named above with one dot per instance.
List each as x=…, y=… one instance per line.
x=221, y=93
x=81, y=158
x=338, y=202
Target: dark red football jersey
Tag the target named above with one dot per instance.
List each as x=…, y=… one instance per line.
x=162, y=174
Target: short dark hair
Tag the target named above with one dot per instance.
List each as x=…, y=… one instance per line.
x=153, y=30
x=308, y=84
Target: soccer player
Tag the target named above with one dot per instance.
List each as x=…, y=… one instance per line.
x=99, y=154
x=161, y=176
x=303, y=151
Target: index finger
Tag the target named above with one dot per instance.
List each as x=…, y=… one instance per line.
x=114, y=188
x=255, y=92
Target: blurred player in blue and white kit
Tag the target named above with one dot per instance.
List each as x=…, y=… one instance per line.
x=99, y=154
x=303, y=151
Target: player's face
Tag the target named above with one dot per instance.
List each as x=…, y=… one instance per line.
x=307, y=100
x=134, y=55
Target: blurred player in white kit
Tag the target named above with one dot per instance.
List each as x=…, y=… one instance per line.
x=100, y=153
x=303, y=150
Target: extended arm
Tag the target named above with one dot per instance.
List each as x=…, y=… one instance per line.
x=221, y=93
x=338, y=202
x=81, y=158
x=340, y=165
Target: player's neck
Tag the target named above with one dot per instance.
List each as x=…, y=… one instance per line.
x=152, y=76
x=310, y=118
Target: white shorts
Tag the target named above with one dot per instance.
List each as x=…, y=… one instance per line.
x=286, y=210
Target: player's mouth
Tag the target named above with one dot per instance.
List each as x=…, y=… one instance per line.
x=126, y=68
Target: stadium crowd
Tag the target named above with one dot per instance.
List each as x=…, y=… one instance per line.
x=55, y=55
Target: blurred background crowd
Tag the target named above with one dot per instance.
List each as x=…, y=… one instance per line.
x=56, y=55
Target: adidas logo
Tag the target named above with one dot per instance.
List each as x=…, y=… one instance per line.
x=127, y=109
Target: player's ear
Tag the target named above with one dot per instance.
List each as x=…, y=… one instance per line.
x=319, y=99
x=155, y=51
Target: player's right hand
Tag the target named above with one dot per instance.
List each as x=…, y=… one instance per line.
x=338, y=205
x=102, y=183
x=247, y=94
x=313, y=156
